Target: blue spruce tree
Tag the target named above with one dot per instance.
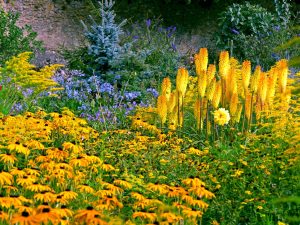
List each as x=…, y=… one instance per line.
x=104, y=37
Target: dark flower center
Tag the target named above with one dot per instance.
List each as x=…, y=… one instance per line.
x=25, y=214
x=46, y=210
x=89, y=208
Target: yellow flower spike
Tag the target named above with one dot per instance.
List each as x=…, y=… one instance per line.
x=202, y=83
x=217, y=95
x=166, y=87
x=197, y=112
x=238, y=113
x=172, y=101
x=255, y=79
x=248, y=106
x=203, y=57
x=283, y=71
x=197, y=64
x=272, y=80
x=258, y=109
x=211, y=89
x=173, y=119
x=211, y=72
x=182, y=79
x=263, y=88
x=233, y=104
x=224, y=64
x=162, y=109
x=231, y=84
x=246, y=74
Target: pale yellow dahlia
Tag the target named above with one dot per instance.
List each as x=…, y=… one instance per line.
x=221, y=116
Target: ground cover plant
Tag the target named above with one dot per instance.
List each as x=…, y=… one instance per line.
x=209, y=143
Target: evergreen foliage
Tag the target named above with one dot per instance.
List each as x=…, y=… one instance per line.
x=104, y=37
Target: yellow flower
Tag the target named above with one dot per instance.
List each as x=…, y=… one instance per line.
x=259, y=207
x=282, y=223
x=221, y=116
x=5, y=178
x=248, y=192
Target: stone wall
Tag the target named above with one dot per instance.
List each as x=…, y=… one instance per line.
x=56, y=22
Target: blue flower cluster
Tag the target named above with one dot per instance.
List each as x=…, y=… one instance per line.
x=96, y=100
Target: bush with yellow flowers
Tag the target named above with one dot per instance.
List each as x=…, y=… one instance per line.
x=21, y=81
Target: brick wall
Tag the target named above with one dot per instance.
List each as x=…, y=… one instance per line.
x=57, y=23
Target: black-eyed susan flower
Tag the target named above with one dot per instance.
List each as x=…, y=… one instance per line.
x=96, y=220
x=68, y=194
x=151, y=217
x=201, y=192
x=25, y=207
x=17, y=172
x=116, y=190
x=24, y=219
x=37, y=187
x=85, y=189
x=57, y=154
x=19, y=148
x=170, y=217
x=82, y=216
x=5, y=178
x=124, y=184
x=9, y=202
x=34, y=144
x=32, y=172
x=75, y=149
x=176, y=192
x=8, y=158
x=63, y=211
x=103, y=193
x=45, y=196
x=3, y=216
x=26, y=180
x=193, y=214
x=193, y=182
x=160, y=188
x=47, y=215
x=79, y=161
x=199, y=203
x=9, y=189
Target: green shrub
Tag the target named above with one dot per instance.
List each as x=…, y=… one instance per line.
x=252, y=32
x=13, y=39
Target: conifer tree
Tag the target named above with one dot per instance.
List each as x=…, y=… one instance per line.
x=104, y=38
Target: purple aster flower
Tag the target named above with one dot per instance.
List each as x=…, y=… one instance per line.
x=234, y=31
x=153, y=91
x=148, y=23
